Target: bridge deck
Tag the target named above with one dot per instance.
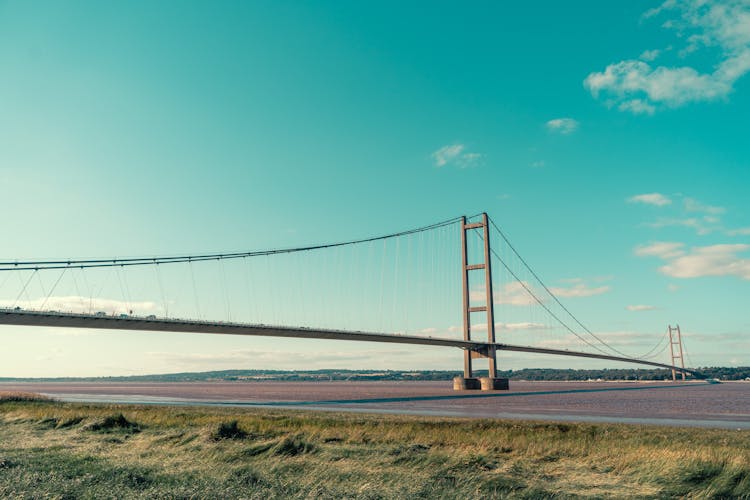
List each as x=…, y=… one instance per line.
x=73, y=320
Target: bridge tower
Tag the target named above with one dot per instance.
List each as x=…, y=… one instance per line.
x=468, y=381
x=675, y=339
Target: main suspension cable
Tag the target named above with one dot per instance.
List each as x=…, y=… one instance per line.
x=554, y=297
x=140, y=261
x=541, y=303
x=651, y=354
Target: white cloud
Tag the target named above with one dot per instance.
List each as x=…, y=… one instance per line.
x=512, y=326
x=656, y=199
x=638, y=87
x=280, y=358
x=731, y=336
x=625, y=80
x=596, y=279
x=469, y=159
x=703, y=225
x=713, y=260
x=78, y=304
x=579, y=290
x=455, y=154
x=563, y=126
x=522, y=326
x=514, y=294
x=635, y=341
x=447, y=154
x=662, y=249
x=703, y=218
x=569, y=342
x=743, y=231
x=649, y=55
x=672, y=287
x=692, y=205
x=637, y=107
x=640, y=307
x=538, y=164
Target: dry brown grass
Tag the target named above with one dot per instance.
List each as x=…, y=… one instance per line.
x=18, y=396
x=304, y=454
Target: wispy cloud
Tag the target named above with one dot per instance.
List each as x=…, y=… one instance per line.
x=650, y=55
x=579, y=290
x=712, y=260
x=702, y=225
x=718, y=337
x=455, y=154
x=693, y=205
x=538, y=164
x=515, y=294
x=447, y=154
x=258, y=357
x=662, y=249
x=519, y=293
x=468, y=159
x=529, y=325
x=640, y=307
x=522, y=326
x=563, y=126
x=743, y=231
x=635, y=86
x=626, y=339
x=637, y=107
x=656, y=199
x=691, y=213
x=580, y=287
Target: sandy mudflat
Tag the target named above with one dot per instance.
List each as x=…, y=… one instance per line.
x=691, y=401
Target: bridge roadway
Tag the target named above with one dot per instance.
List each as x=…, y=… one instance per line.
x=22, y=317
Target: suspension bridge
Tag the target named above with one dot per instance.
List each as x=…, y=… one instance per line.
x=409, y=287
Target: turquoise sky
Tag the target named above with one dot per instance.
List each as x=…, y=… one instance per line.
x=608, y=139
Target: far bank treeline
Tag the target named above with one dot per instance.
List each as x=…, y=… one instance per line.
x=721, y=373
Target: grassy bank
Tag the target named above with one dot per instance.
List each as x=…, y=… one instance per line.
x=56, y=450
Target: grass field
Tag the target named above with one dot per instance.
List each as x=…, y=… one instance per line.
x=58, y=450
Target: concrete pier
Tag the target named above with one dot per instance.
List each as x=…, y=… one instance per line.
x=466, y=384
x=494, y=384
